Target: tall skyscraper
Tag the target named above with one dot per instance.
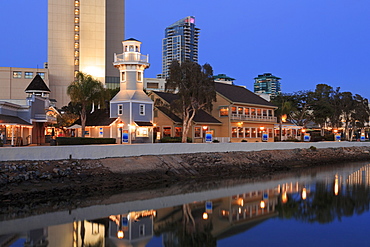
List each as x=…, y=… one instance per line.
x=180, y=43
x=83, y=36
x=267, y=84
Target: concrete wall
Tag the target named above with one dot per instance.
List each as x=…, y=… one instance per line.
x=125, y=150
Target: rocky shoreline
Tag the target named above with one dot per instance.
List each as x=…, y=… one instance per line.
x=69, y=181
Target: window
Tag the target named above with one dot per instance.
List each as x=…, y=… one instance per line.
x=17, y=74
x=197, y=132
x=178, y=131
x=246, y=111
x=241, y=132
x=77, y=45
x=28, y=75
x=270, y=113
x=253, y=133
x=120, y=109
x=77, y=20
x=264, y=113
x=240, y=110
x=253, y=112
x=131, y=48
x=152, y=85
x=258, y=112
x=247, y=132
x=142, y=109
x=142, y=132
x=234, y=132
x=166, y=131
x=233, y=110
x=139, y=77
x=224, y=111
x=41, y=74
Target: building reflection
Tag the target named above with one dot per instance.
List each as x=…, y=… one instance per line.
x=208, y=220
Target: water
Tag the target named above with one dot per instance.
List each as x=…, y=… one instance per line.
x=322, y=207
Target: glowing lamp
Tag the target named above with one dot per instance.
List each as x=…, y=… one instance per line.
x=120, y=234
x=205, y=216
x=303, y=130
x=262, y=204
x=284, y=198
x=205, y=127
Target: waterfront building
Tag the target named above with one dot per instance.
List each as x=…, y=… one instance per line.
x=83, y=36
x=238, y=114
x=169, y=123
x=130, y=115
x=24, y=121
x=267, y=84
x=180, y=43
x=131, y=105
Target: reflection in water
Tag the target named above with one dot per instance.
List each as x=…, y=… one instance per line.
x=204, y=222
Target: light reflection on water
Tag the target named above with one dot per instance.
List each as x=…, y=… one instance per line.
x=323, y=208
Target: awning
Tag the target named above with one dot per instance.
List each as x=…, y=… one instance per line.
x=142, y=124
x=12, y=120
x=75, y=126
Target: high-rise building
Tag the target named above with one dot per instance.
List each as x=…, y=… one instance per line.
x=83, y=36
x=267, y=84
x=180, y=43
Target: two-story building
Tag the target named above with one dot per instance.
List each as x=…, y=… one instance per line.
x=238, y=114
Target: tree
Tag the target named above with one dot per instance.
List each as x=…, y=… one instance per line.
x=285, y=106
x=321, y=105
x=85, y=90
x=195, y=87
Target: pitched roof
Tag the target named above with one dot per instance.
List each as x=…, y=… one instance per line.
x=203, y=117
x=171, y=115
x=239, y=94
x=6, y=119
x=99, y=117
x=169, y=97
x=37, y=84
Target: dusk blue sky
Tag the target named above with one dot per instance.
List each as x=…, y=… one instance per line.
x=305, y=42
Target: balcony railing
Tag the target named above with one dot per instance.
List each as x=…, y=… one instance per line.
x=253, y=118
x=131, y=57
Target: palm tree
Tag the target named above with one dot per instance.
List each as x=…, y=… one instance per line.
x=85, y=90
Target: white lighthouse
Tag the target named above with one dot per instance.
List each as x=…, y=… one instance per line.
x=131, y=105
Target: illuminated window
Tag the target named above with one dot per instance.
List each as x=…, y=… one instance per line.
x=77, y=45
x=246, y=111
x=233, y=110
x=253, y=112
x=253, y=132
x=178, y=131
x=234, y=132
x=270, y=133
x=77, y=20
x=28, y=75
x=142, y=132
x=197, y=132
x=241, y=132
x=247, y=132
x=120, y=109
x=240, y=110
x=17, y=74
x=76, y=36
x=41, y=74
x=76, y=62
x=258, y=112
x=77, y=3
x=77, y=28
x=166, y=131
x=142, y=109
x=224, y=111
x=77, y=11
x=76, y=53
